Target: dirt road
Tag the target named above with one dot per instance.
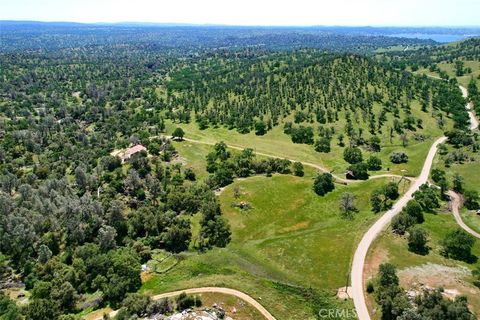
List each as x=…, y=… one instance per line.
x=228, y=291
x=455, y=203
x=308, y=164
x=362, y=249
x=340, y=179
x=473, y=119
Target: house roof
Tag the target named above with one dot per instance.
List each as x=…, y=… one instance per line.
x=132, y=150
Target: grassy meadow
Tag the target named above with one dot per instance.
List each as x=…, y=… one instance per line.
x=289, y=241
x=449, y=68
x=277, y=143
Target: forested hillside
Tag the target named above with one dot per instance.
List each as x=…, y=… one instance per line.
x=248, y=91
x=458, y=62
x=92, y=187
x=430, y=55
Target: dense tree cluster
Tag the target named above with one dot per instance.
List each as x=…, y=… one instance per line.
x=425, y=199
x=225, y=165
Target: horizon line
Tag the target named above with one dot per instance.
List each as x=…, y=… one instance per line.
x=242, y=25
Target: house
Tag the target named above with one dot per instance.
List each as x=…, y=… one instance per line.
x=132, y=150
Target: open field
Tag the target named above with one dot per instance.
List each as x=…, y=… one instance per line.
x=471, y=218
x=275, y=142
x=449, y=68
x=433, y=269
x=290, y=237
x=194, y=156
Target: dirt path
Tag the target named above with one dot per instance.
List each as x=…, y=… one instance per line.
x=473, y=119
x=362, y=249
x=340, y=179
x=228, y=291
x=308, y=164
x=455, y=203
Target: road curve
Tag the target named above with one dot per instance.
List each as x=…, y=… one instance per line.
x=228, y=291
x=362, y=249
x=455, y=203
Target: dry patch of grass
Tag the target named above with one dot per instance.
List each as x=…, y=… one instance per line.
x=295, y=227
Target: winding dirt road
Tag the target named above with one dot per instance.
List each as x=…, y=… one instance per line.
x=362, y=249
x=228, y=291
x=455, y=203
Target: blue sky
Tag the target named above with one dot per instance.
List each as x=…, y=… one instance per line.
x=251, y=12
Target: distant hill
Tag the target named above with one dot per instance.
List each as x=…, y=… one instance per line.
x=46, y=35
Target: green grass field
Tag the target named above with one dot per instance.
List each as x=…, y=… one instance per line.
x=449, y=68
x=277, y=143
x=194, y=156
x=291, y=239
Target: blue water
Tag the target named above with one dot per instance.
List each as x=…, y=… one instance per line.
x=436, y=37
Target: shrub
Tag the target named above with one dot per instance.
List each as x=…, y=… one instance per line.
x=402, y=222
x=374, y=144
x=370, y=287
x=260, y=128
x=162, y=306
x=323, y=184
x=358, y=171
x=388, y=275
x=458, y=245
x=472, y=199
x=185, y=301
x=322, y=145
x=178, y=133
x=352, y=155
x=427, y=197
x=399, y=157
x=417, y=240
x=136, y=303
x=391, y=190
x=414, y=210
x=374, y=163
x=298, y=169
x=438, y=175
x=302, y=135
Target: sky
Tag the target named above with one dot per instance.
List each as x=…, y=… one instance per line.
x=251, y=12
